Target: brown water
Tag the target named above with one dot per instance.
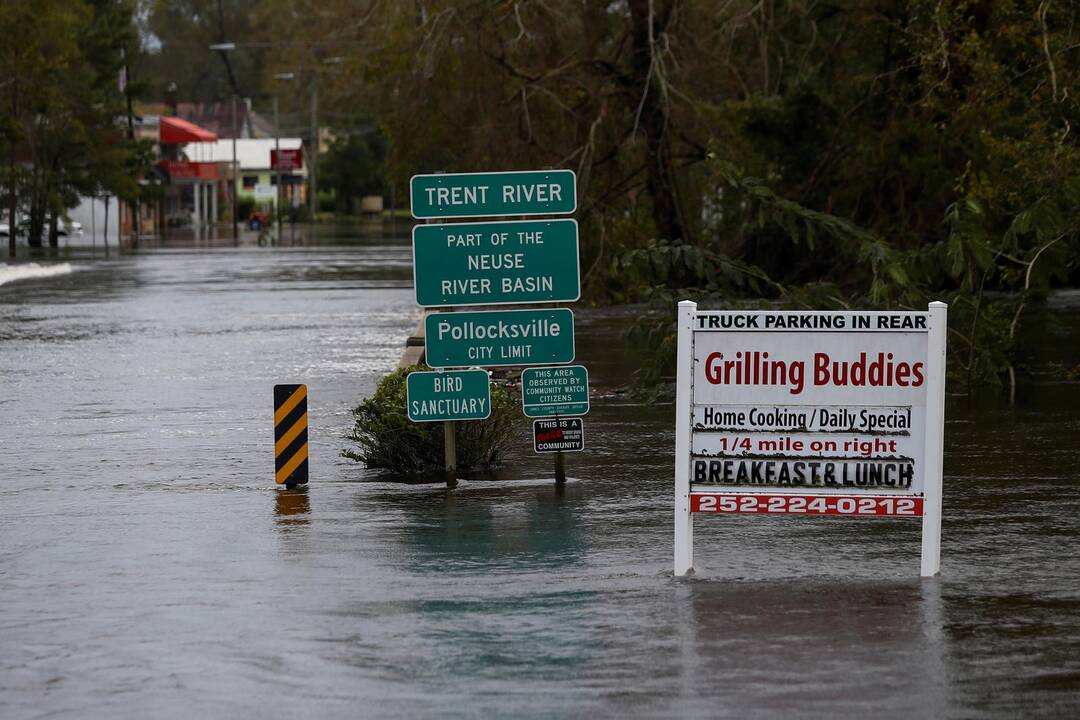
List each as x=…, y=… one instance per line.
x=150, y=568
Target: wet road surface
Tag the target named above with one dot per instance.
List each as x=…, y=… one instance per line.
x=150, y=568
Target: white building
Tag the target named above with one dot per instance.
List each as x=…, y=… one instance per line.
x=257, y=177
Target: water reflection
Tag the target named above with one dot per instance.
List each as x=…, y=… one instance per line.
x=526, y=623
x=292, y=507
x=505, y=597
x=817, y=647
x=476, y=527
x=547, y=635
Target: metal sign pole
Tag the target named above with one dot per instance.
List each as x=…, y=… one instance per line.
x=684, y=389
x=235, y=178
x=277, y=167
x=449, y=431
x=935, y=432
x=560, y=465
x=450, y=442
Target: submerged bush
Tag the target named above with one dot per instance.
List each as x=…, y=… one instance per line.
x=387, y=439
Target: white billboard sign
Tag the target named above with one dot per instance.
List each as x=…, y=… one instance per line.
x=810, y=413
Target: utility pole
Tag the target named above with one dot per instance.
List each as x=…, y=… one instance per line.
x=225, y=48
x=234, y=192
x=277, y=150
x=277, y=166
x=131, y=136
x=314, y=146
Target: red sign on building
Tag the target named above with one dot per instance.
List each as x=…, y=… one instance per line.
x=184, y=170
x=290, y=159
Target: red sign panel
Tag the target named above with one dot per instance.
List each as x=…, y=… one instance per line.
x=184, y=170
x=290, y=159
x=806, y=504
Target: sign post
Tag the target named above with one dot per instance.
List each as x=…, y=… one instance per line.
x=450, y=452
x=290, y=435
x=552, y=392
x=810, y=413
x=684, y=389
x=935, y=438
x=498, y=263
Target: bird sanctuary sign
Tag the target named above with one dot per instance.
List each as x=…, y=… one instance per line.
x=451, y=395
x=810, y=413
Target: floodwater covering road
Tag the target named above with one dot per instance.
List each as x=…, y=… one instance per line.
x=149, y=567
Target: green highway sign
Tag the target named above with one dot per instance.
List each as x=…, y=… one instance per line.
x=553, y=391
x=451, y=395
x=458, y=195
x=496, y=263
x=499, y=337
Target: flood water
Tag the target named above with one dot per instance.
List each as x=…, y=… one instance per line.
x=149, y=567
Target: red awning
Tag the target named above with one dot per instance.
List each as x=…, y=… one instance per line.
x=174, y=131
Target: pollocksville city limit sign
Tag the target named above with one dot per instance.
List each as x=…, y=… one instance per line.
x=457, y=195
x=496, y=263
x=499, y=337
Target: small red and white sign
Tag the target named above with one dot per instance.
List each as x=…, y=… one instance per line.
x=290, y=159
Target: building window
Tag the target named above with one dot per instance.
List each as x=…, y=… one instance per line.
x=251, y=181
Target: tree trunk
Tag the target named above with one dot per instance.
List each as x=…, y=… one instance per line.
x=649, y=19
x=36, y=223
x=54, y=230
x=13, y=203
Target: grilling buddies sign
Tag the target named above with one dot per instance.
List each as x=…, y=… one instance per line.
x=810, y=413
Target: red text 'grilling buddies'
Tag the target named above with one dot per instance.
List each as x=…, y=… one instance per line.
x=755, y=368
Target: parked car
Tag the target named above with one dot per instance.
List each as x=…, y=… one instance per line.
x=64, y=227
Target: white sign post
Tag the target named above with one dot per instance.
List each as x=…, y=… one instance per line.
x=810, y=413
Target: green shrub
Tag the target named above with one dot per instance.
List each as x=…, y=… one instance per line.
x=387, y=439
x=244, y=207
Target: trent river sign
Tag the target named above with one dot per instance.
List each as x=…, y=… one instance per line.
x=503, y=337
x=453, y=395
x=459, y=195
x=496, y=263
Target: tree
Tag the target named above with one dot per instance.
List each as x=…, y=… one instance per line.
x=67, y=119
x=353, y=166
x=181, y=32
x=865, y=152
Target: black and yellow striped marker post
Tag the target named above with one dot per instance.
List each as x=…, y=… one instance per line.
x=290, y=435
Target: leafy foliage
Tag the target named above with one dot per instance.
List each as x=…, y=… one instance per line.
x=64, y=113
x=353, y=165
x=387, y=439
x=879, y=153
